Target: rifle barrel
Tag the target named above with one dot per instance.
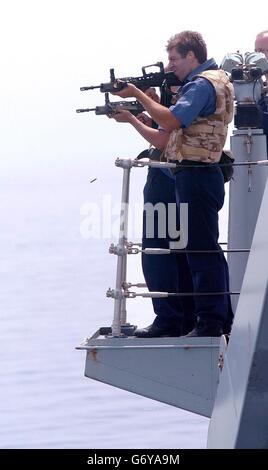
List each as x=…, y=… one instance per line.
x=86, y=110
x=85, y=88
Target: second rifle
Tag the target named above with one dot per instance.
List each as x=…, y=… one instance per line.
x=110, y=107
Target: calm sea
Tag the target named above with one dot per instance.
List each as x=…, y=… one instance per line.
x=52, y=295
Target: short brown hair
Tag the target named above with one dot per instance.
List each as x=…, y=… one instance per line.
x=189, y=41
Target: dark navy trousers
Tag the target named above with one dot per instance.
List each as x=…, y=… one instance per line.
x=204, y=193
x=202, y=188
x=162, y=272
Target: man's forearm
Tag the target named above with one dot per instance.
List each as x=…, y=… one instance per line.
x=155, y=137
x=163, y=116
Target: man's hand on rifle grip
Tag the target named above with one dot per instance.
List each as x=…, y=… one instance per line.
x=127, y=92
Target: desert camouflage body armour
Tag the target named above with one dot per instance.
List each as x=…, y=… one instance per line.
x=204, y=139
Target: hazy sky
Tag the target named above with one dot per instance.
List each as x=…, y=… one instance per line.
x=51, y=48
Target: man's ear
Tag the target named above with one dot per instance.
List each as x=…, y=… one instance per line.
x=190, y=55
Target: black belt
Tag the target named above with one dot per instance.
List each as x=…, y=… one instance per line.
x=189, y=163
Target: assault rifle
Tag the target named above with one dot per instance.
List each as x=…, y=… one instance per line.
x=147, y=80
x=110, y=107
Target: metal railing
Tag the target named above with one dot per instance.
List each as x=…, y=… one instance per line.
x=125, y=248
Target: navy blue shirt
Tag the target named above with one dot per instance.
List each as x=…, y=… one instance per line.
x=197, y=98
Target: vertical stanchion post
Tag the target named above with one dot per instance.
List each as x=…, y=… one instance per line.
x=120, y=301
x=123, y=316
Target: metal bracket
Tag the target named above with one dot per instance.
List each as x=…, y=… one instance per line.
x=124, y=163
x=118, y=250
x=115, y=294
x=123, y=250
x=128, y=285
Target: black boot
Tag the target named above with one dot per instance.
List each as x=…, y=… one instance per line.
x=206, y=327
x=153, y=331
